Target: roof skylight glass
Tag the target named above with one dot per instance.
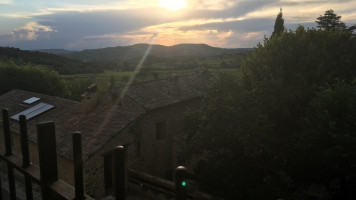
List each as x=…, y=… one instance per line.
x=31, y=100
x=33, y=111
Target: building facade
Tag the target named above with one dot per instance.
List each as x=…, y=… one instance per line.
x=146, y=118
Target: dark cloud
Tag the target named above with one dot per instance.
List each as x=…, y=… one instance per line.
x=311, y=3
x=79, y=24
x=247, y=25
x=240, y=9
x=73, y=27
x=78, y=30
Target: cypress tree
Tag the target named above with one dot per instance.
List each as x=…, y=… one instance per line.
x=279, y=24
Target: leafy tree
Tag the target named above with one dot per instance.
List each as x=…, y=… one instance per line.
x=331, y=22
x=61, y=64
x=278, y=24
x=30, y=78
x=256, y=133
x=76, y=87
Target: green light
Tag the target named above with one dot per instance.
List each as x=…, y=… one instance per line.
x=184, y=183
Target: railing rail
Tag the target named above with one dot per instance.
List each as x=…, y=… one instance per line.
x=163, y=185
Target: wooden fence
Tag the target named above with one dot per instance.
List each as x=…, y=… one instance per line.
x=46, y=175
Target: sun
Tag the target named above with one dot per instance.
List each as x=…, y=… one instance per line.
x=172, y=4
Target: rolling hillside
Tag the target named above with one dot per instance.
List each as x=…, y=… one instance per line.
x=137, y=50
x=61, y=64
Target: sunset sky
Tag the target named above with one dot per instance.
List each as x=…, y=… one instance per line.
x=88, y=24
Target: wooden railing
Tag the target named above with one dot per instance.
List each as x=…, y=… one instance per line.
x=169, y=188
x=46, y=175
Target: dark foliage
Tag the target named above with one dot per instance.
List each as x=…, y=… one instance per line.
x=286, y=122
x=61, y=64
x=331, y=22
x=38, y=79
x=278, y=24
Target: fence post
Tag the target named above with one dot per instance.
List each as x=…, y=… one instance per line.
x=46, y=139
x=8, y=152
x=180, y=182
x=24, y=142
x=119, y=173
x=25, y=155
x=1, y=197
x=7, y=136
x=78, y=166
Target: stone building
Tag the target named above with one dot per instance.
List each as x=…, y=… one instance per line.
x=146, y=118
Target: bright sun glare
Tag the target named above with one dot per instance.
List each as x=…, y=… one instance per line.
x=173, y=4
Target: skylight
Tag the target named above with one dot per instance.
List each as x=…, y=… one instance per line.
x=31, y=100
x=33, y=111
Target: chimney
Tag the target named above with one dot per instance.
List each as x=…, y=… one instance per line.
x=173, y=85
x=89, y=99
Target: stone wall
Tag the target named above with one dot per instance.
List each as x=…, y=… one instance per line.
x=158, y=156
x=94, y=166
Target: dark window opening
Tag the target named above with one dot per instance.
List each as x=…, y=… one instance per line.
x=161, y=130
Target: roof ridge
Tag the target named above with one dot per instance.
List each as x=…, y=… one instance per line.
x=150, y=81
x=35, y=93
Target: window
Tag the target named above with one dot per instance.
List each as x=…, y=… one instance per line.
x=161, y=130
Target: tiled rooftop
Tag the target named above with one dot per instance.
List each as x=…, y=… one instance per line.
x=105, y=120
x=159, y=93
x=95, y=130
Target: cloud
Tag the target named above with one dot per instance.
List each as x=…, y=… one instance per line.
x=35, y=27
x=94, y=24
x=5, y=1
x=31, y=31
x=212, y=4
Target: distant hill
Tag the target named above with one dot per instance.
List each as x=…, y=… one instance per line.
x=61, y=64
x=137, y=50
x=55, y=51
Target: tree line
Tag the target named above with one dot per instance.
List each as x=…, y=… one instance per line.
x=286, y=123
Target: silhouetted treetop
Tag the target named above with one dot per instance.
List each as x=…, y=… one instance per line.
x=331, y=22
x=279, y=24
